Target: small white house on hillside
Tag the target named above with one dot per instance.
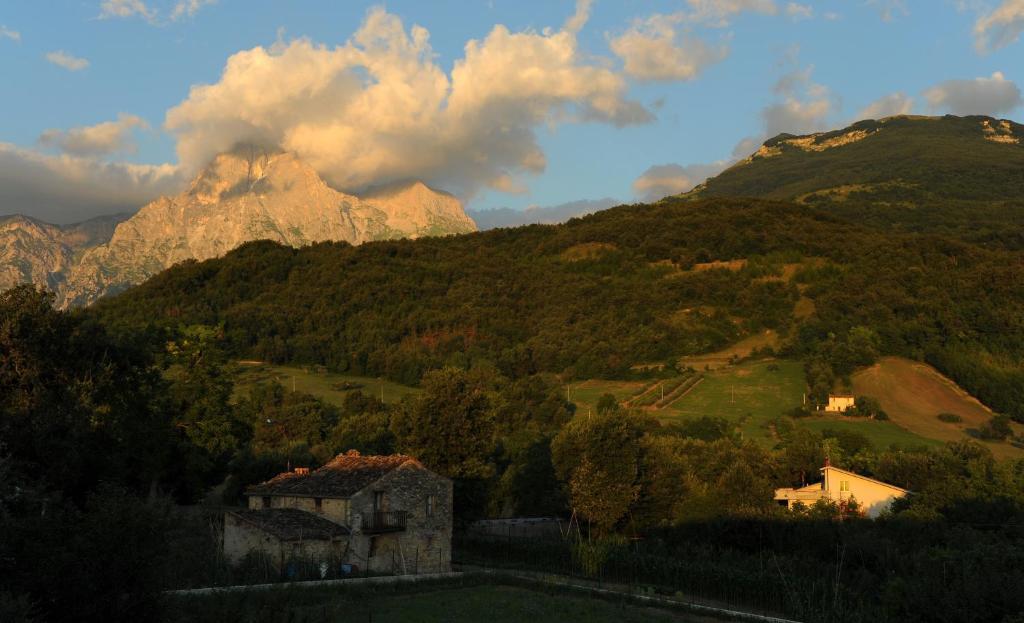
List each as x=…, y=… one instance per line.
x=838, y=403
x=873, y=497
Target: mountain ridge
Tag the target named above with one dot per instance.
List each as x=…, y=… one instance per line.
x=242, y=195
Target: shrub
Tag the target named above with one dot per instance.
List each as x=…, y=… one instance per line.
x=951, y=418
x=996, y=429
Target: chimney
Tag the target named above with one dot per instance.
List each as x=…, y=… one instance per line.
x=827, y=461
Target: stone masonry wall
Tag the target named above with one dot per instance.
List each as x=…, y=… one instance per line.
x=425, y=545
x=241, y=537
x=334, y=509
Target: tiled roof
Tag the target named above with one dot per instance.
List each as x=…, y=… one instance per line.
x=342, y=477
x=292, y=524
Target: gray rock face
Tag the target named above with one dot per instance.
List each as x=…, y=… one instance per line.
x=244, y=195
x=32, y=251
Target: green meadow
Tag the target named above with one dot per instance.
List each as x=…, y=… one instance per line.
x=327, y=386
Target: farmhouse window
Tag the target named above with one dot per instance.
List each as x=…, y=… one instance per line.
x=318, y=503
x=266, y=501
x=844, y=485
x=430, y=505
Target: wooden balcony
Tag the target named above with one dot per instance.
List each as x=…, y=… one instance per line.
x=384, y=521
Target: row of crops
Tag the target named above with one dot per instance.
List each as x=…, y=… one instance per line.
x=663, y=393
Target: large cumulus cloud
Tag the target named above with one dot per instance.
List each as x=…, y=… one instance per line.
x=66, y=188
x=379, y=108
x=980, y=96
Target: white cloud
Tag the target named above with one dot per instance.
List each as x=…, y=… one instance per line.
x=654, y=49
x=981, y=96
x=101, y=139
x=65, y=189
x=188, y=8
x=804, y=108
x=888, y=106
x=7, y=33
x=380, y=109
x=127, y=8
x=663, y=180
x=889, y=9
x=720, y=12
x=799, y=11
x=67, y=61
x=1000, y=27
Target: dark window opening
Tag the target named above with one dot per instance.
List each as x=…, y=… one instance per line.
x=266, y=501
x=319, y=504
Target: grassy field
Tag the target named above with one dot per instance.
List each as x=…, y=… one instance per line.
x=491, y=603
x=739, y=350
x=882, y=435
x=324, y=385
x=914, y=393
x=749, y=394
x=585, y=394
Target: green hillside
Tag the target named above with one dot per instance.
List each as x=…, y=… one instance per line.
x=957, y=175
x=594, y=297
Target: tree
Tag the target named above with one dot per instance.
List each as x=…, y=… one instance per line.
x=597, y=457
x=449, y=427
x=202, y=392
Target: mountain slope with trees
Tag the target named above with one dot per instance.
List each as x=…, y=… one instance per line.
x=595, y=296
x=954, y=175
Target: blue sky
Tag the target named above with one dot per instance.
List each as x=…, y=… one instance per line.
x=689, y=85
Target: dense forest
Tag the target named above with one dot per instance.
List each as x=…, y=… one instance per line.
x=598, y=295
x=104, y=438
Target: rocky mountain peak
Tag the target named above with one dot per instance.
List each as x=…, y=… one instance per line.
x=250, y=193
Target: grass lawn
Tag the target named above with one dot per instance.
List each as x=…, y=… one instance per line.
x=490, y=603
x=739, y=350
x=750, y=395
x=881, y=434
x=585, y=394
x=914, y=393
x=322, y=385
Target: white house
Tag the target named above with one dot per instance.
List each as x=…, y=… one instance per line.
x=841, y=486
x=838, y=403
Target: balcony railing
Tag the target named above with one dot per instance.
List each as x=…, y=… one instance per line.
x=384, y=521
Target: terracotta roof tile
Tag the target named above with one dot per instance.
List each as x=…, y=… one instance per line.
x=342, y=477
x=292, y=524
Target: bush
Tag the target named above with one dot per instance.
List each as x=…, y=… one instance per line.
x=996, y=429
x=950, y=418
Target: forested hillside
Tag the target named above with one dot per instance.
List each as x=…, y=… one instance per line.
x=598, y=295
x=953, y=175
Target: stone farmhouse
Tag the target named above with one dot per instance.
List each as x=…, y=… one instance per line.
x=873, y=497
x=385, y=514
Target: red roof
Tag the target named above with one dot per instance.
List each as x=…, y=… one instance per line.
x=342, y=477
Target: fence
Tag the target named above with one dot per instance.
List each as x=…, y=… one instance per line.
x=707, y=578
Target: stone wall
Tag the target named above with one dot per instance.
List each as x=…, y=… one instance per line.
x=334, y=509
x=241, y=537
x=425, y=546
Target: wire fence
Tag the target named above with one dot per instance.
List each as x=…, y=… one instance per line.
x=706, y=578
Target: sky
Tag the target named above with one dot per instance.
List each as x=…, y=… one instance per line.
x=107, y=104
